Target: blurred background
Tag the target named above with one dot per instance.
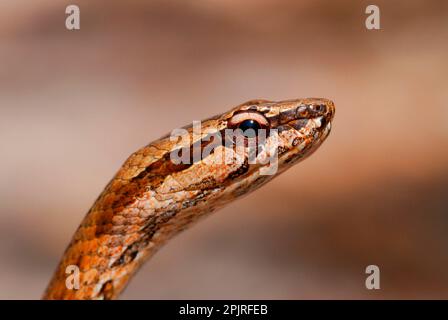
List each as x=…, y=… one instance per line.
x=75, y=104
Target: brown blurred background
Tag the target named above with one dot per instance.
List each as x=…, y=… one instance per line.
x=75, y=104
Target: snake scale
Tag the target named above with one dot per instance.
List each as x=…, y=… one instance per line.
x=153, y=197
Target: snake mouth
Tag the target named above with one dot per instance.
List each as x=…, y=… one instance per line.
x=319, y=123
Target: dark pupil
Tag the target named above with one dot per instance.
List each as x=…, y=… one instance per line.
x=249, y=124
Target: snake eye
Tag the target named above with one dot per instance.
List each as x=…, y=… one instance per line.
x=249, y=128
x=249, y=122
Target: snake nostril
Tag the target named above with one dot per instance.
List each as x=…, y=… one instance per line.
x=318, y=107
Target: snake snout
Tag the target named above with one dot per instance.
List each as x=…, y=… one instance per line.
x=330, y=110
x=316, y=108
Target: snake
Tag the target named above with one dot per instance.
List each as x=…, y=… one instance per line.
x=172, y=182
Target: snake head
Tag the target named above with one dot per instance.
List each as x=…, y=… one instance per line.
x=237, y=151
x=296, y=128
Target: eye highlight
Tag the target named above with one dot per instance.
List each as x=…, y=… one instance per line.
x=249, y=128
x=249, y=122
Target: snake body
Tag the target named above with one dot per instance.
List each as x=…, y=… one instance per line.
x=152, y=197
